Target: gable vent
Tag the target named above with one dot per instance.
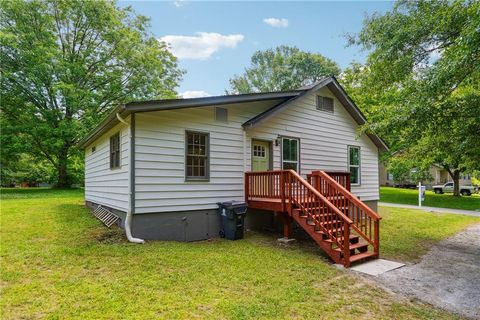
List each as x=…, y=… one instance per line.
x=221, y=114
x=325, y=103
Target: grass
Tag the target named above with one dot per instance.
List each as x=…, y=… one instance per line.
x=406, y=234
x=409, y=196
x=58, y=262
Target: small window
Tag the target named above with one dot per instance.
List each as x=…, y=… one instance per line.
x=115, y=151
x=196, y=156
x=94, y=148
x=290, y=152
x=325, y=104
x=221, y=114
x=259, y=151
x=354, y=164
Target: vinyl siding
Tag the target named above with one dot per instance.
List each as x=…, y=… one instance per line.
x=324, y=140
x=105, y=186
x=160, y=160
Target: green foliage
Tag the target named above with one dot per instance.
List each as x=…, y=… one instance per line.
x=476, y=178
x=283, y=68
x=404, y=169
x=423, y=75
x=26, y=169
x=66, y=63
x=78, y=269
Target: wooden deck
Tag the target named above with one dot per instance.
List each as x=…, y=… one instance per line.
x=271, y=204
x=343, y=226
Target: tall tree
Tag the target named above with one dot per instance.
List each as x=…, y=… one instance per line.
x=282, y=68
x=423, y=70
x=65, y=63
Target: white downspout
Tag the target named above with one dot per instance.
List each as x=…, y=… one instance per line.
x=128, y=218
x=244, y=151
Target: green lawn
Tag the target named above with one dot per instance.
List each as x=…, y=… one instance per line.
x=405, y=234
x=409, y=196
x=58, y=262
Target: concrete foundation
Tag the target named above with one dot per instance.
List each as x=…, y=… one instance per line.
x=197, y=225
x=373, y=204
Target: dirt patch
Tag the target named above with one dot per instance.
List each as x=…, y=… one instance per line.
x=448, y=276
x=108, y=235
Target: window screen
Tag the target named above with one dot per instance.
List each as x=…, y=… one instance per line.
x=290, y=151
x=196, y=155
x=354, y=164
x=115, y=151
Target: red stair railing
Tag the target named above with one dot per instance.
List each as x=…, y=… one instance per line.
x=366, y=222
x=296, y=193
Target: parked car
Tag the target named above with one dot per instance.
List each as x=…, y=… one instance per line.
x=448, y=188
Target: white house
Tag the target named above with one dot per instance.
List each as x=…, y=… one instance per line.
x=164, y=165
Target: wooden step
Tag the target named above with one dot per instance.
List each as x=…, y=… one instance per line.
x=332, y=230
x=300, y=213
x=353, y=239
x=354, y=246
x=361, y=256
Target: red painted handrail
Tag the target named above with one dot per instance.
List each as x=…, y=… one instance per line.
x=362, y=215
x=296, y=192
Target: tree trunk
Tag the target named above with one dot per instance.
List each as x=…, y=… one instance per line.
x=62, y=181
x=456, y=182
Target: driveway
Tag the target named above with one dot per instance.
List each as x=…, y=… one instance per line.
x=448, y=276
x=475, y=213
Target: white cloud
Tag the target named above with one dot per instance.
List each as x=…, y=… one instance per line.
x=178, y=3
x=201, y=46
x=277, y=23
x=195, y=94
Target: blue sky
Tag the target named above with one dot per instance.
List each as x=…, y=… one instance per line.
x=215, y=40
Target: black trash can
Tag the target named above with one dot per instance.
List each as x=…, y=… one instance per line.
x=232, y=214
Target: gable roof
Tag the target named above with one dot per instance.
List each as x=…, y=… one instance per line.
x=332, y=84
x=276, y=100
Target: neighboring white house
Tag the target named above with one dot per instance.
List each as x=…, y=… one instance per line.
x=190, y=154
x=438, y=175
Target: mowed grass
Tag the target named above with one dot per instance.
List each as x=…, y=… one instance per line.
x=58, y=262
x=410, y=196
x=406, y=234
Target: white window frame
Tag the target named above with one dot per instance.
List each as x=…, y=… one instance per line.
x=359, y=165
x=298, y=153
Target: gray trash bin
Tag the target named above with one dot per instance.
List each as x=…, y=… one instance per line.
x=232, y=215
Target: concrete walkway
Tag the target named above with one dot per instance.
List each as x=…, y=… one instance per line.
x=432, y=209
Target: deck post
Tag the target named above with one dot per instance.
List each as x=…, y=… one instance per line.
x=287, y=226
x=282, y=191
x=346, y=244
x=246, y=186
x=376, y=237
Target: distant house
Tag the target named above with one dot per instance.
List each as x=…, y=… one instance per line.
x=162, y=166
x=437, y=174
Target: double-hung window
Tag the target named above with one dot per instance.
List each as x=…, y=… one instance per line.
x=197, y=156
x=290, y=153
x=115, y=151
x=354, y=164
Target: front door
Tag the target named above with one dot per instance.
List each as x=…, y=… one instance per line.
x=260, y=155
